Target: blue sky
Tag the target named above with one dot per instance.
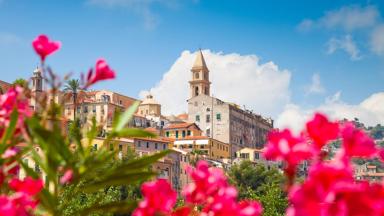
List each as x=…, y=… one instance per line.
x=142, y=40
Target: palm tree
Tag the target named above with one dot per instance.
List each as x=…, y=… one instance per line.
x=72, y=88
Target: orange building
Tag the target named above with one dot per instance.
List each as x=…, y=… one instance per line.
x=182, y=130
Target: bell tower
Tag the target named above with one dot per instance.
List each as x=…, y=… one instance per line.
x=37, y=81
x=199, y=83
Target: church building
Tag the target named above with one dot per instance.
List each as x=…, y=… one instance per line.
x=221, y=120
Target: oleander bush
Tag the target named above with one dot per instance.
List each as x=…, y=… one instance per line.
x=70, y=178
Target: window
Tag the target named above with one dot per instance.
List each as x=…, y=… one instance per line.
x=183, y=133
x=208, y=119
x=197, y=75
x=155, y=145
x=167, y=134
x=94, y=108
x=111, y=147
x=188, y=133
x=208, y=109
x=164, y=146
x=85, y=108
x=120, y=102
x=139, y=144
x=218, y=116
x=208, y=132
x=78, y=109
x=147, y=144
x=257, y=156
x=197, y=118
x=177, y=134
x=196, y=91
x=120, y=147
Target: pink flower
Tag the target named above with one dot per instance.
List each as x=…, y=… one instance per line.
x=250, y=208
x=67, y=177
x=288, y=148
x=27, y=186
x=159, y=198
x=10, y=152
x=102, y=72
x=321, y=130
x=9, y=101
x=44, y=47
x=207, y=182
x=356, y=143
x=314, y=196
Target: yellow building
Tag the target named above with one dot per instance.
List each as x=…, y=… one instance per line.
x=212, y=148
x=182, y=130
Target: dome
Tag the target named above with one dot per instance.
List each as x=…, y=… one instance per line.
x=149, y=100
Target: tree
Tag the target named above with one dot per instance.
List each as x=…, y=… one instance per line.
x=257, y=182
x=72, y=88
x=20, y=82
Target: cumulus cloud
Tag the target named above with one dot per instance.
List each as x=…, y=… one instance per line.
x=370, y=111
x=316, y=87
x=348, y=18
x=346, y=44
x=243, y=79
x=377, y=40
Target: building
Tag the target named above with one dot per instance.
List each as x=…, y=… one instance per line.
x=4, y=86
x=149, y=106
x=102, y=105
x=182, y=130
x=211, y=148
x=221, y=120
x=368, y=172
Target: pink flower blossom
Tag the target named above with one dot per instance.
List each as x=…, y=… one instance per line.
x=321, y=130
x=159, y=198
x=102, y=72
x=10, y=101
x=207, y=182
x=288, y=148
x=44, y=47
x=356, y=143
x=67, y=177
x=27, y=186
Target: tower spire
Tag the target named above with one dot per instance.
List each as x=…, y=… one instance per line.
x=199, y=84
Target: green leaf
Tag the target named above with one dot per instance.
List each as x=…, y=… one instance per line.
x=9, y=131
x=144, y=161
x=126, y=116
x=124, y=179
x=114, y=207
x=132, y=132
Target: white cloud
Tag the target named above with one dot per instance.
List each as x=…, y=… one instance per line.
x=348, y=18
x=7, y=38
x=346, y=44
x=316, y=87
x=237, y=78
x=377, y=40
x=370, y=111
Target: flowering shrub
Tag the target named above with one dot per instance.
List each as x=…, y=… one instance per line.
x=330, y=188
x=209, y=191
x=67, y=161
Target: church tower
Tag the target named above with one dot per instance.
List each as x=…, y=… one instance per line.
x=37, y=81
x=37, y=89
x=199, y=83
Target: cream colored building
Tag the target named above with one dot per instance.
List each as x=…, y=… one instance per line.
x=212, y=148
x=149, y=106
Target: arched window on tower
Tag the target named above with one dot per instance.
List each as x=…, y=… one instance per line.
x=196, y=91
x=196, y=75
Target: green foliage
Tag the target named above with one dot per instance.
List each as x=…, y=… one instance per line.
x=257, y=182
x=20, y=82
x=100, y=184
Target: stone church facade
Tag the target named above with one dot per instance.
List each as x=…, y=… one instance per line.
x=222, y=120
